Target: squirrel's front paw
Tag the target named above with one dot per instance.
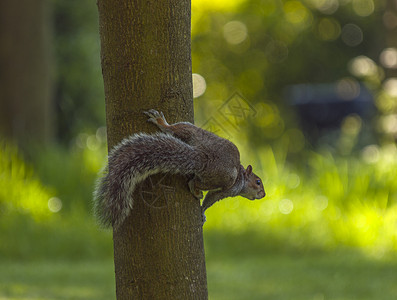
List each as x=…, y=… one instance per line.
x=196, y=192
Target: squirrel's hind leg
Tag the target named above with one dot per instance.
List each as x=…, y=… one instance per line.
x=158, y=119
x=184, y=131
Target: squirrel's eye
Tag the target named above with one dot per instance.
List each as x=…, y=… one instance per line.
x=258, y=182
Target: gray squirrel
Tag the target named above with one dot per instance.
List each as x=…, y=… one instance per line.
x=211, y=163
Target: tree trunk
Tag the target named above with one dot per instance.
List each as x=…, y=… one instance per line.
x=146, y=63
x=25, y=70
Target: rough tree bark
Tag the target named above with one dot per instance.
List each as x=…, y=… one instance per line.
x=146, y=63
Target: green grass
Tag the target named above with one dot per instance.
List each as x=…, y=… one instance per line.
x=289, y=276
x=248, y=266
x=57, y=280
x=265, y=275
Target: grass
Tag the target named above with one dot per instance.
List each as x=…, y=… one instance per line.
x=246, y=266
x=57, y=280
x=266, y=275
x=288, y=276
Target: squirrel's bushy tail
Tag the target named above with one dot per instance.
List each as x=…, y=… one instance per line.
x=132, y=161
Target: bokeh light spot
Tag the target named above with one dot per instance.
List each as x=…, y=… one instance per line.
x=328, y=29
x=321, y=202
x=54, y=204
x=351, y=125
x=370, y=154
x=286, y=206
x=362, y=66
x=235, y=32
x=93, y=143
x=81, y=140
x=101, y=134
x=385, y=102
x=293, y=181
x=390, y=86
x=388, y=58
x=352, y=35
x=269, y=207
x=199, y=85
x=296, y=12
x=348, y=88
x=389, y=124
x=363, y=8
x=325, y=6
x=390, y=20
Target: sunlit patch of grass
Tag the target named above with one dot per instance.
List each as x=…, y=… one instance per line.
x=20, y=190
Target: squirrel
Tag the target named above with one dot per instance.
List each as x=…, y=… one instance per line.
x=211, y=163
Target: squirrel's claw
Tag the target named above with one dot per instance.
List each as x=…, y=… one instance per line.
x=155, y=117
x=152, y=113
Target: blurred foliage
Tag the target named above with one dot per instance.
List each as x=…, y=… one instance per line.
x=79, y=94
x=332, y=202
x=257, y=48
x=260, y=47
x=85, y=156
x=244, y=55
x=40, y=221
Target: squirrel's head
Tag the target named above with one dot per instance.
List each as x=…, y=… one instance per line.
x=253, y=188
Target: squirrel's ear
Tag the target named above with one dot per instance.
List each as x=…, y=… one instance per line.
x=248, y=171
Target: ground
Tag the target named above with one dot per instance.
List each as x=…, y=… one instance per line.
x=317, y=276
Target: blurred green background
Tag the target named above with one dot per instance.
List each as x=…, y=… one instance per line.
x=306, y=89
